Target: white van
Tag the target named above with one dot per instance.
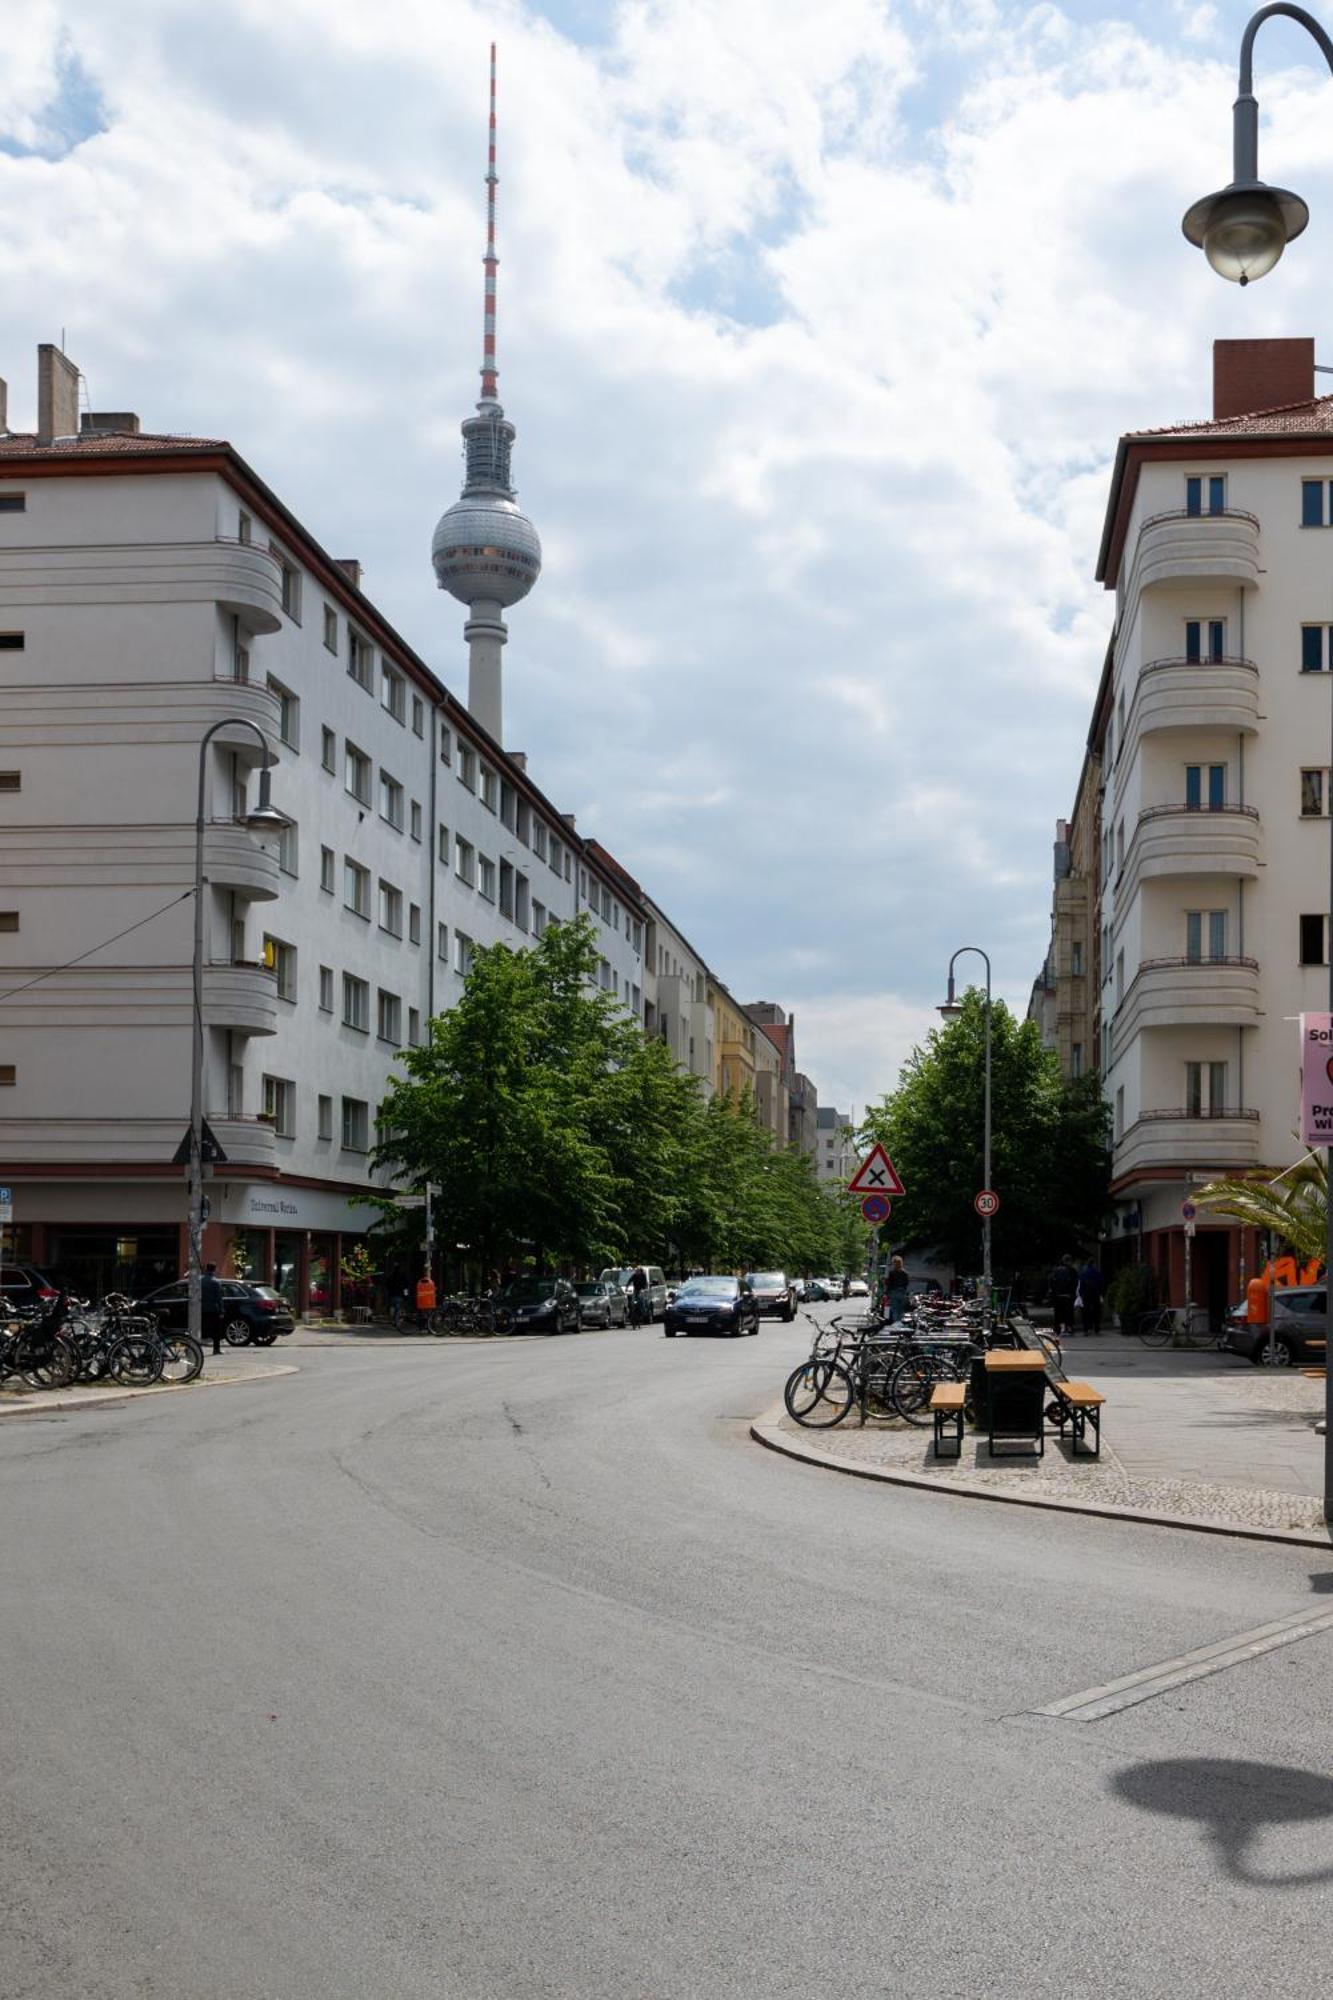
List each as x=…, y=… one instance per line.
x=620, y=1274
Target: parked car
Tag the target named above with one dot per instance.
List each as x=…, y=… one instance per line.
x=540, y=1305
x=252, y=1315
x=815, y=1291
x=712, y=1305
x=858, y=1289
x=772, y=1292
x=601, y=1305
x=1298, y=1329
x=25, y=1286
x=620, y=1274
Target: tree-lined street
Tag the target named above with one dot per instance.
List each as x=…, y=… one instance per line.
x=522, y=1671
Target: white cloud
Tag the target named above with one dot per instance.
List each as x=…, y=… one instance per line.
x=818, y=327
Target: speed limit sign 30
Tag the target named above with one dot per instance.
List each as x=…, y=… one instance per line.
x=986, y=1202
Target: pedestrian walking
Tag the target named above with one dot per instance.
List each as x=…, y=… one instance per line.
x=1062, y=1286
x=895, y=1290
x=210, y=1299
x=1091, y=1285
x=638, y=1297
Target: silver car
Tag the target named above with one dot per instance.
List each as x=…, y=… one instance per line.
x=601, y=1304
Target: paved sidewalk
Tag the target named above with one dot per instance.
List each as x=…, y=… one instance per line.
x=226, y=1371
x=1190, y=1439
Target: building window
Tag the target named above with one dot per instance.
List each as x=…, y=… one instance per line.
x=446, y=744
x=1205, y=1089
x=414, y=923
x=280, y=959
x=13, y=503
x=539, y=919
x=1120, y=846
x=9, y=920
x=328, y=755
x=415, y=819
x=326, y=1118
x=291, y=584
x=391, y=801
x=523, y=822
x=556, y=852
x=1314, y=948
x=539, y=839
x=413, y=1028
x=442, y=942
x=326, y=989
x=442, y=845
x=1205, y=783
x=1205, y=639
x=289, y=847
x=356, y=888
x=1119, y=977
x=360, y=660
x=289, y=714
x=1076, y=1059
x=327, y=864
x=418, y=716
x=489, y=788
x=508, y=815
x=245, y=527
x=1205, y=495
x=356, y=1125
x=11, y=781
x=506, y=891
x=1313, y=511
x=330, y=629
x=393, y=692
x=1205, y=935
x=389, y=1018
x=465, y=861
x=1119, y=1131
x=467, y=768
x=1316, y=647
x=521, y=901
x=1076, y=959
x=280, y=1105
x=391, y=909
x=11, y=642
x=356, y=1003
x=464, y=952
x=359, y=773
x=1312, y=794
x=486, y=878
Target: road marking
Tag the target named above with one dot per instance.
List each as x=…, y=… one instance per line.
x=1094, y=1704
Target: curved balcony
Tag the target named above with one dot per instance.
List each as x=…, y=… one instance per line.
x=1188, y=993
x=1194, y=694
x=1198, y=548
x=1190, y=840
x=242, y=997
x=247, y=581
x=258, y=704
x=247, y=1142
x=1215, y=1143
x=234, y=859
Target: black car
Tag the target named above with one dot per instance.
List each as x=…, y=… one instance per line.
x=711, y=1305
x=539, y=1305
x=252, y=1315
x=772, y=1292
x=1298, y=1329
x=24, y=1285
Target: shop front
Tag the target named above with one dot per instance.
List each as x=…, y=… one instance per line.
x=293, y=1238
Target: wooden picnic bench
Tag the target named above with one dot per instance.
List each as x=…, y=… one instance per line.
x=948, y=1401
x=1078, y=1405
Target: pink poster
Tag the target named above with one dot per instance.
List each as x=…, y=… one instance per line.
x=1317, y=1079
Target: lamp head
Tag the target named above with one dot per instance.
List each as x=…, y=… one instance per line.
x=951, y=1008
x=266, y=817
x=1244, y=228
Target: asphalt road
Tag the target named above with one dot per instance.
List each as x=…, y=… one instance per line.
x=518, y=1672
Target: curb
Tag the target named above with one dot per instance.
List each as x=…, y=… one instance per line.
x=766, y=1432
x=40, y=1403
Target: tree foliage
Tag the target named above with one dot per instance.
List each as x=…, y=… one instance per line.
x=1050, y=1159
x=558, y=1134
x=1294, y=1207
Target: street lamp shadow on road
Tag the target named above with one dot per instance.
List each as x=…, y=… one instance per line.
x=1234, y=1801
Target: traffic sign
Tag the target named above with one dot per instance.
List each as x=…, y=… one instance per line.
x=986, y=1202
x=876, y=1175
x=1188, y=1211
x=210, y=1152
x=6, y=1204
x=876, y=1208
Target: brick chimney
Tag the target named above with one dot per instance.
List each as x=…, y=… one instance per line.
x=57, y=394
x=350, y=568
x=1253, y=375
x=121, y=423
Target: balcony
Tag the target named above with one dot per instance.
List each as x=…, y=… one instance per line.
x=234, y=859
x=1215, y=1143
x=247, y=582
x=247, y=1142
x=1199, y=549
x=1188, y=993
x=1190, y=840
x=1193, y=694
x=226, y=697
x=242, y=997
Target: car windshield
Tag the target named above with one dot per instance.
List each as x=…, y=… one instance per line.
x=590, y=1291
x=527, y=1291
x=620, y=1276
x=767, y=1281
x=1299, y=1302
x=709, y=1288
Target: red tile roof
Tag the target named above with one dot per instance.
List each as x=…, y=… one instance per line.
x=1313, y=418
x=95, y=444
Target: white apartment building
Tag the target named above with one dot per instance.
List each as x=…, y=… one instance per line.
x=835, y=1150
x=1213, y=727
x=676, y=997
x=150, y=588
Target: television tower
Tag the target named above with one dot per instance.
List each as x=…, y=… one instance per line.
x=485, y=549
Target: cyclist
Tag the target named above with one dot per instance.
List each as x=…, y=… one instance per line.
x=638, y=1296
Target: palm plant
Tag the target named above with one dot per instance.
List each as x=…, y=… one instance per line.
x=1293, y=1207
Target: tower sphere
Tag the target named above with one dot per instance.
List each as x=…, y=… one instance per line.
x=485, y=549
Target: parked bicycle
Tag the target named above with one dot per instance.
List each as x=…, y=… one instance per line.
x=1179, y=1326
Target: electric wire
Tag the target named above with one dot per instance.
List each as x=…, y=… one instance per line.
x=51, y=971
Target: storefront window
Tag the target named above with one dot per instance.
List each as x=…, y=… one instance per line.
x=248, y=1257
x=287, y=1264
x=320, y=1285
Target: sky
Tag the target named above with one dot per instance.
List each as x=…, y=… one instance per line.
x=818, y=327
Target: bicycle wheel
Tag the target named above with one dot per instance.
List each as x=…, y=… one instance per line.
x=913, y=1379
x=182, y=1358
x=818, y=1394
x=135, y=1360
x=1156, y=1329
x=50, y=1367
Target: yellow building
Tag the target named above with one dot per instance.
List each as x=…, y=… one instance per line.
x=734, y=1036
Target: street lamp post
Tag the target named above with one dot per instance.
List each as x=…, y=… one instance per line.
x=950, y=1009
x=1243, y=230
x=264, y=818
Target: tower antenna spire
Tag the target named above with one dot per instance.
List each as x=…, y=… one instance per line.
x=489, y=371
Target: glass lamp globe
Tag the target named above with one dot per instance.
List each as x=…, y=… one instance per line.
x=1244, y=229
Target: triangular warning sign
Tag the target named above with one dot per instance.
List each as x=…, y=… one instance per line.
x=876, y=1175
x=210, y=1152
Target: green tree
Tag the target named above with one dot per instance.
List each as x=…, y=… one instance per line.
x=1293, y=1207
x=1050, y=1159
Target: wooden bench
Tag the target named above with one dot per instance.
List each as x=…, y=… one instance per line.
x=947, y=1403
x=1079, y=1405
